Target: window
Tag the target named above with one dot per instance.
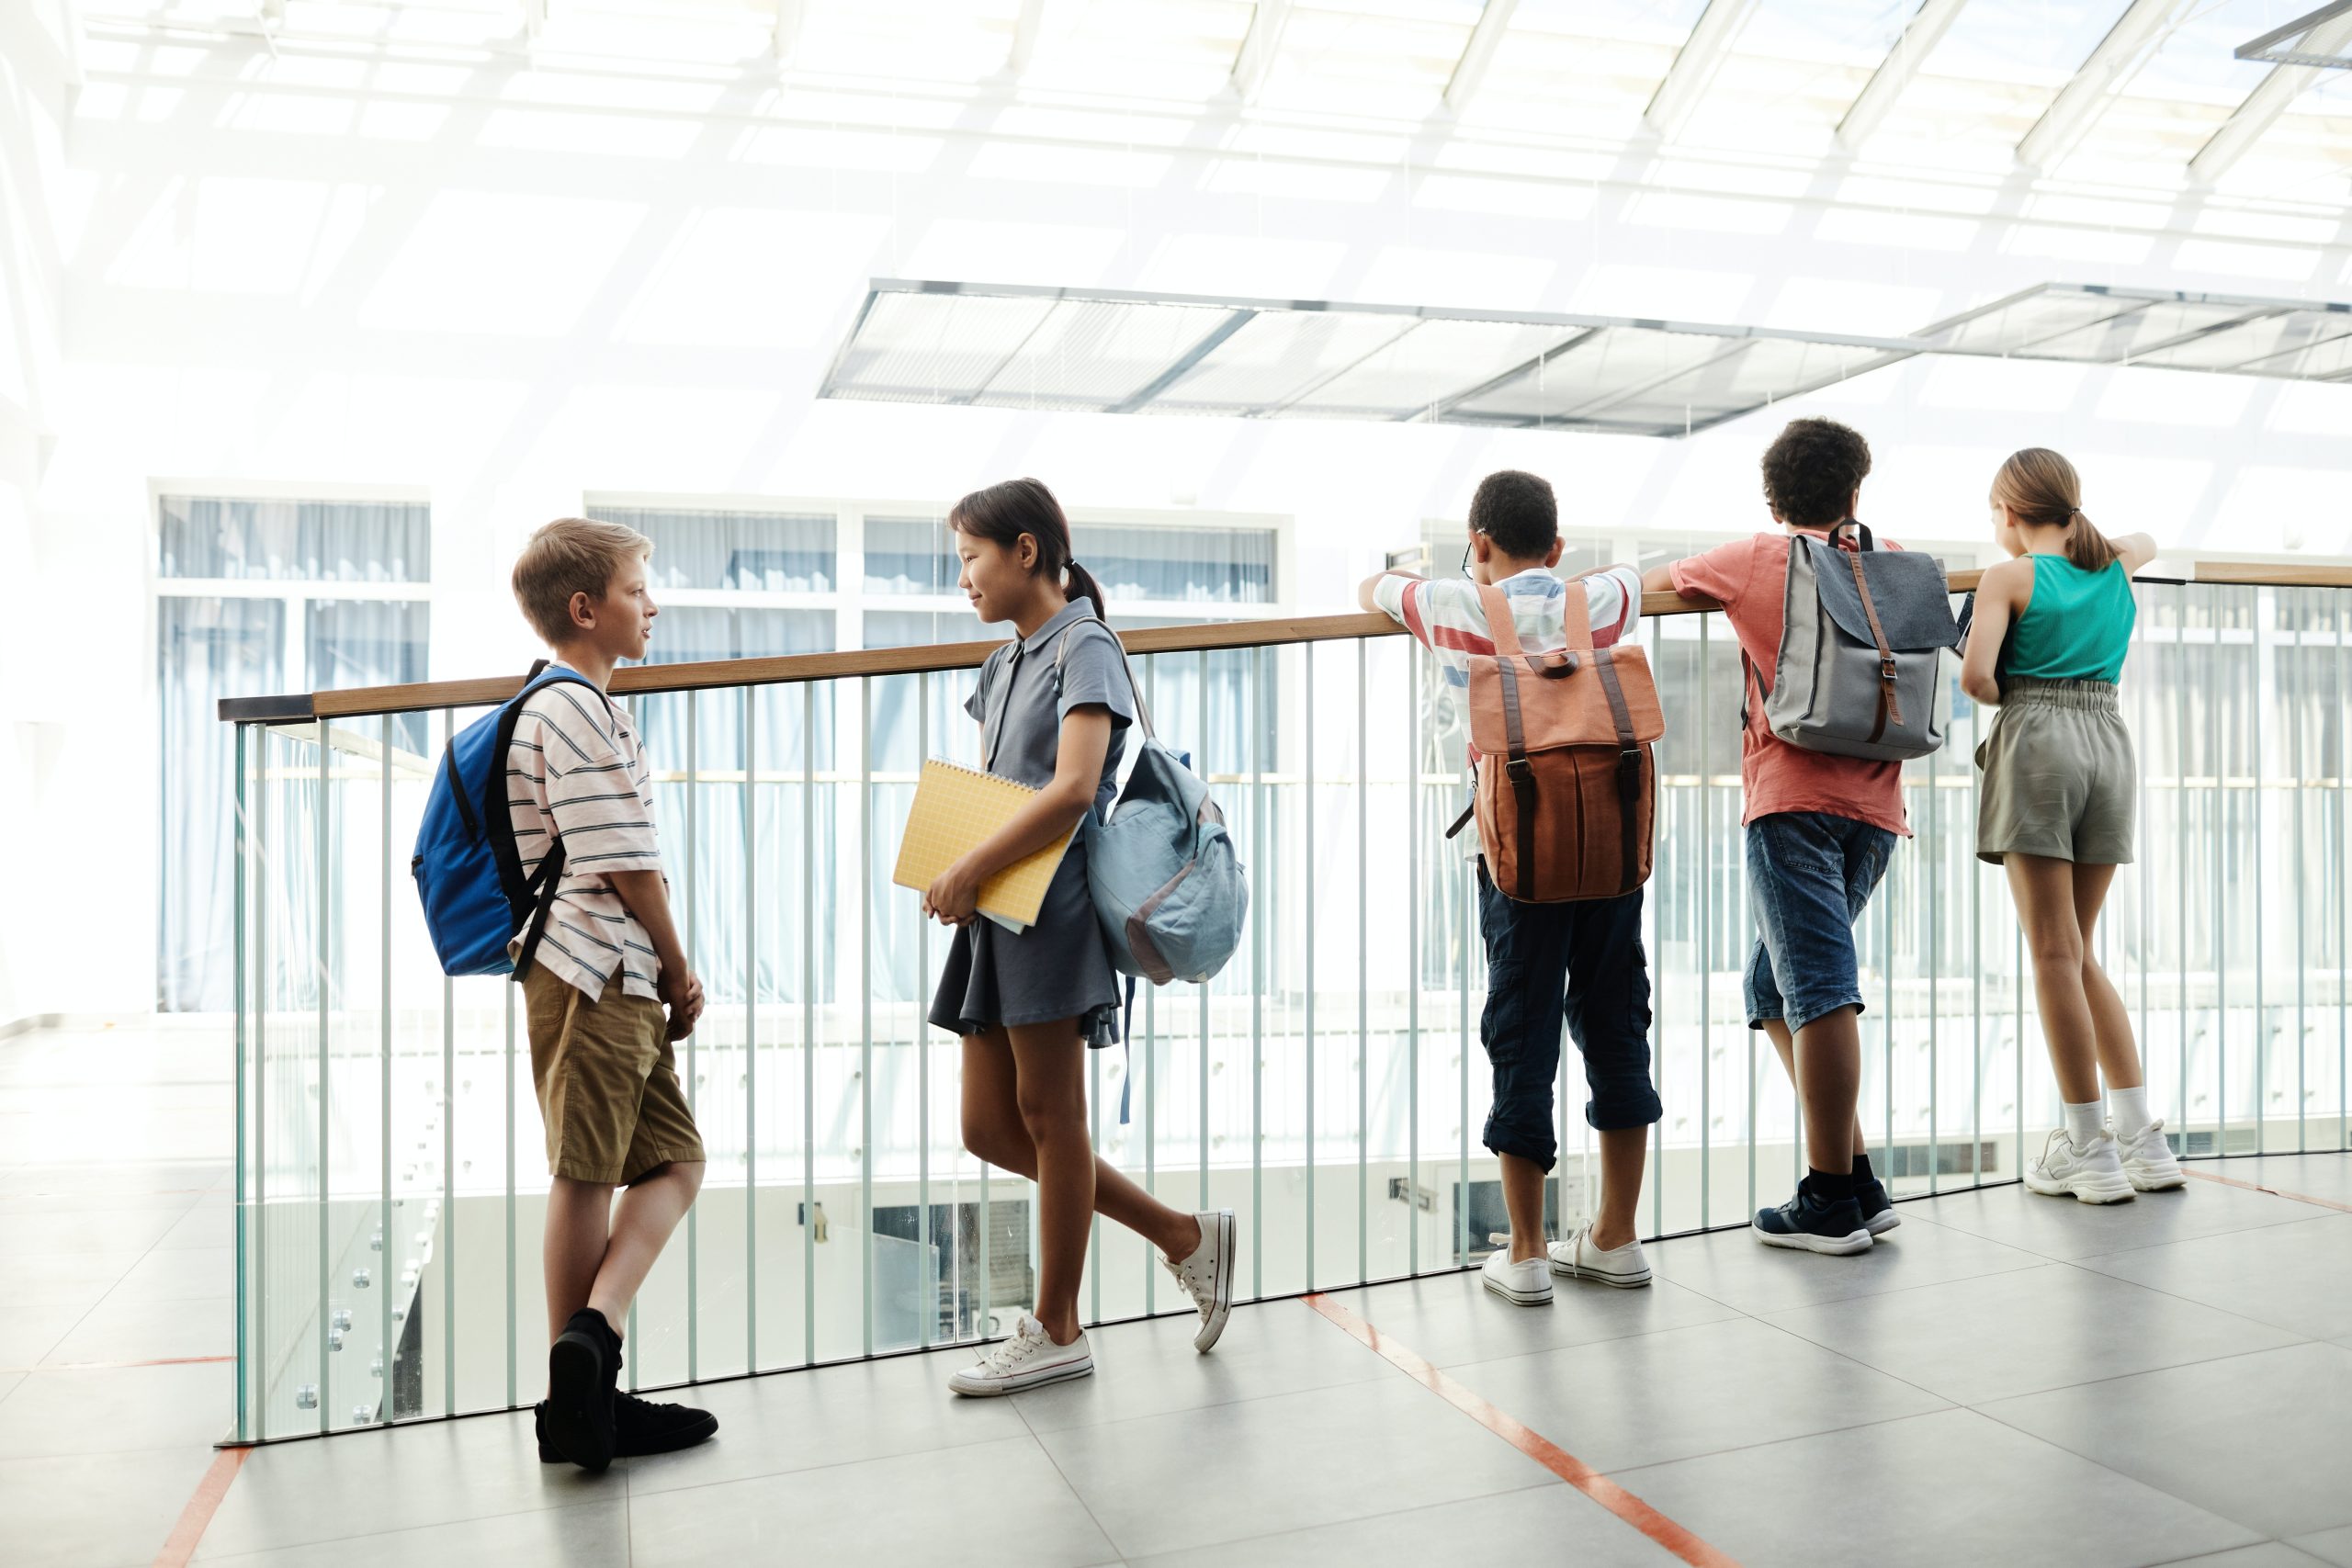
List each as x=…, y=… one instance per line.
x=257, y=595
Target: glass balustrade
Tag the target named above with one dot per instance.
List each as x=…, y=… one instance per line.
x=1328, y=1086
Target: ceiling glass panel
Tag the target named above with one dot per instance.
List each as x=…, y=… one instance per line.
x=1159, y=49
x=1389, y=58
x=911, y=349
x=1279, y=356
x=1094, y=352
x=1437, y=360
x=1794, y=68
x=1581, y=67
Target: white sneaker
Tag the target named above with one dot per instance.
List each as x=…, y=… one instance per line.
x=1029, y=1358
x=1578, y=1258
x=1525, y=1283
x=2148, y=1160
x=2094, y=1174
x=1208, y=1275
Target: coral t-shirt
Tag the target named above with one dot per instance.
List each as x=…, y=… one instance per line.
x=1750, y=576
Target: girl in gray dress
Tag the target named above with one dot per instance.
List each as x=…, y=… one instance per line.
x=1054, y=705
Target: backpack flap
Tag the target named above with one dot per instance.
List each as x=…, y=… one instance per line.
x=1862, y=665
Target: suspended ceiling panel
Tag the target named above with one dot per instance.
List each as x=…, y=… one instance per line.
x=988, y=345
x=2291, y=339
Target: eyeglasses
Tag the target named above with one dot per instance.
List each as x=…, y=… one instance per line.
x=1466, y=549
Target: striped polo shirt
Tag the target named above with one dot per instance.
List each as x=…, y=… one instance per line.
x=576, y=769
x=1445, y=615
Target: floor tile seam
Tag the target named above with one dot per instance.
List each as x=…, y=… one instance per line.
x=2317, y=1213
x=1983, y=1404
x=1483, y=1496
x=1118, y=1549
x=1024, y=1436
x=1945, y=1406
x=2035, y=1260
x=2191, y=1301
x=2262, y=1532
x=394, y=1533
x=470, y=1519
x=2209, y=1556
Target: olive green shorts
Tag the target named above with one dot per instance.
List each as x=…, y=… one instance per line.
x=2060, y=777
x=607, y=1082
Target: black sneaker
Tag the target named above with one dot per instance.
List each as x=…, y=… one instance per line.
x=581, y=1365
x=639, y=1426
x=1808, y=1223
x=1878, y=1209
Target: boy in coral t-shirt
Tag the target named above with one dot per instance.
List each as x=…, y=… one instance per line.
x=1820, y=829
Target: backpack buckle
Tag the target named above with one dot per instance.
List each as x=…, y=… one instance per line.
x=1886, y=669
x=1520, y=770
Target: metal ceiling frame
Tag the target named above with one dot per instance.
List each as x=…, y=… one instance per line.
x=1695, y=64
x=2113, y=62
x=2329, y=56
x=2131, y=301
x=1478, y=52
x=2326, y=33
x=1921, y=35
x=1260, y=45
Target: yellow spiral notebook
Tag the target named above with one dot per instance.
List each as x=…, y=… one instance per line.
x=955, y=808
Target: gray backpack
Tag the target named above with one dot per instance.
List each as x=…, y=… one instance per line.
x=1866, y=633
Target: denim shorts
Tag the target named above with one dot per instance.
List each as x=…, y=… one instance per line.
x=1581, y=964
x=1809, y=875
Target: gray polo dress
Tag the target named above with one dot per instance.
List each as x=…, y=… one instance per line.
x=1059, y=967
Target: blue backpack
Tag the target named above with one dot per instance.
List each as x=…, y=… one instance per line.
x=1169, y=893
x=468, y=872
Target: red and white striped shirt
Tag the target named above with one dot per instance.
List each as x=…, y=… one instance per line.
x=1444, y=613
x=576, y=769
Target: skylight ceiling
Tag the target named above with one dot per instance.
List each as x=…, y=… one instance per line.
x=2147, y=85
x=1089, y=352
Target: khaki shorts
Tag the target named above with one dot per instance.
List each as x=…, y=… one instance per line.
x=607, y=1082
x=2060, y=778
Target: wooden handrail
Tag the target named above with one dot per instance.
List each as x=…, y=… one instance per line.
x=721, y=674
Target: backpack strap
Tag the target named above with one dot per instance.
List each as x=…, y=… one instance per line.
x=1629, y=766
x=1516, y=766
x=1890, y=705
x=543, y=882
x=1061, y=652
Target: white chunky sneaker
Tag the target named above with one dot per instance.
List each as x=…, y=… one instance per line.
x=1208, y=1275
x=1029, y=1358
x=2148, y=1161
x=2093, y=1174
x=1578, y=1258
x=1525, y=1283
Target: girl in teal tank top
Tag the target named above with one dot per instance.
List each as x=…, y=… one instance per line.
x=2057, y=804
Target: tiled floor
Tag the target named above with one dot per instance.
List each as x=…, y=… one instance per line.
x=2006, y=1379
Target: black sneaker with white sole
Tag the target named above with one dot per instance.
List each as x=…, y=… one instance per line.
x=1878, y=1207
x=640, y=1427
x=1810, y=1225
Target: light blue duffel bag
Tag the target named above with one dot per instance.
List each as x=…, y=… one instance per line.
x=1169, y=891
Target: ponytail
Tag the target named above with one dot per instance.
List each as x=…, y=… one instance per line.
x=2040, y=489
x=1004, y=512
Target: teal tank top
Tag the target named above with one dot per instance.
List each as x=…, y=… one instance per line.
x=2078, y=624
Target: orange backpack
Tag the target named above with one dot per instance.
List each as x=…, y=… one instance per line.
x=1566, y=788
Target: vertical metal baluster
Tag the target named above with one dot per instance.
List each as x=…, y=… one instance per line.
x=1976, y=978
x=1705, y=949
x=2142, y=873
x=751, y=1031
x=1150, y=1070
x=927, y=1322
x=635, y=1364
x=447, y=1235
x=2299, y=599
x=263, y=986
x=392, y=1245
x=1464, y=933
x=1886, y=1028
x=1413, y=961
x=809, y=1022
x=509, y=990
x=2256, y=769
x=1200, y=705
x=694, y=960
x=2338, y=866
x=1934, y=969
x=2017, y=960
x=2221, y=888
x=239, y=1000
x=322, y=965
x=865, y=1005
x=1258, y=980
x=2181, y=840
x=1307, y=940
x=1364, y=968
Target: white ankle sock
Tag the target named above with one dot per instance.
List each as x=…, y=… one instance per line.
x=2129, y=1108
x=2083, y=1122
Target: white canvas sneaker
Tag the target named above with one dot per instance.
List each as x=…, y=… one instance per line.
x=1029, y=1358
x=1578, y=1258
x=2148, y=1160
x=2093, y=1174
x=1208, y=1275
x=1525, y=1283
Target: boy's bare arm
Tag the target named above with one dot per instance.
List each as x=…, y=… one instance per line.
x=1365, y=592
x=1658, y=580
x=648, y=898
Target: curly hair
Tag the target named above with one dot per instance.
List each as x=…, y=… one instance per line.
x=1516, y=510
x=1811, y=470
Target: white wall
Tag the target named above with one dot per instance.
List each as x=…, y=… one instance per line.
x=36, y=63
x=512, y=285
